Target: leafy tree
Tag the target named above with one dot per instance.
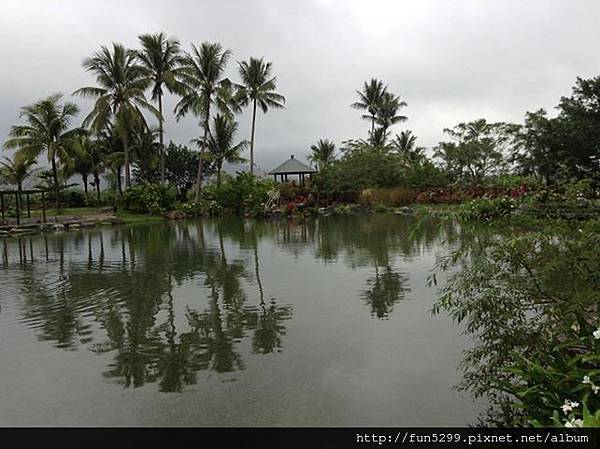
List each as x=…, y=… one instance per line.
x=119, y=95
x=181, y=168
x=369, y=99
x=220, y=143
x=204, y=87
x=161, y=57
x=476, y=149
x=47, y=130
x=539, y=146
x=579, y=116
x=322, y=153
x=258, y=87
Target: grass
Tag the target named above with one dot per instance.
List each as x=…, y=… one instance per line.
x=133, y=218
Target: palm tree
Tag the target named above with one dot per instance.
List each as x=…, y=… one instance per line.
x=322, y=153
x=15, y=171
x=80, y=161
x=258, y=87
x=47, y=130
x=201, y=74
x=119, y=95
x=387, y=113
x=370, y=100
x=220, y=143
x=161, y=57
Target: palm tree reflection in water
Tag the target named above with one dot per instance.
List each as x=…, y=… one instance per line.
x=119, y=298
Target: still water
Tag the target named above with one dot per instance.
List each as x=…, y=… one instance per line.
x=229, y=322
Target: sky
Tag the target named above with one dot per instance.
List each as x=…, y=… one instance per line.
x=451, y=61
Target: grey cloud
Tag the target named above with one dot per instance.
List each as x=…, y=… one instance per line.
x=451, y=61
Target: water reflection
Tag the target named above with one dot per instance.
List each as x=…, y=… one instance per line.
x=167, y=302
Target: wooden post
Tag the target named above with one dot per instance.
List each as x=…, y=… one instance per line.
x=43, y=208
x=28, y=205
x=18, y=211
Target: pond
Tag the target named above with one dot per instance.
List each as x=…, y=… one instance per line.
x=229, y=322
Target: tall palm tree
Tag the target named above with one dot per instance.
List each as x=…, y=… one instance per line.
x=161, y=56
x=16, y=170
x=387, y=113
x=119, y=94
x=370, y=100
x=220, y=143
x=204, y=87
x=405, y=144
x=47, y=130
x=258, y=87
x=322, y=153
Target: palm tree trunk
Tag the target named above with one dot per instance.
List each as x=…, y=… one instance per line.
x=219, y=164
x=372, y=128
x=252, y=138
x=84, y=177
x=119, y=181
x=199, y=179
x=126, y=161
x=97, y=182
x=55, y=177
x=19, y=196
x=161, y=139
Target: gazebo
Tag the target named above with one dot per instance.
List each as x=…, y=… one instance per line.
x=292, y=167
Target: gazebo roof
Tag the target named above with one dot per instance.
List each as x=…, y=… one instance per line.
x=292, y=167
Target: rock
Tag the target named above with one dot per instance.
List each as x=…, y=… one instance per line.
x=15, y=230
x=59, y=227
x=74, y=226
x=174, y=214
x=3, y=233
x=88, y=224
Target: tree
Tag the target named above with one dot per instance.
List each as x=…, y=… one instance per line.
x=406, y=145
x=322, y=153
x=119, y=94
x=204, y=87
x=16, y=170
x=181, y=167
x=161, y=57
x=220, y=143
x=146, y=154
x=370, y=100
x=579, y=117
x=387, y=114
x=476, y=149
x=80, y=161
x=258, y=87
x=47, y=130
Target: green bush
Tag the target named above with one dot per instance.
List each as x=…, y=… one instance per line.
x=149, y=198
x=244, y=193
x=487, y=209
x=529, y=303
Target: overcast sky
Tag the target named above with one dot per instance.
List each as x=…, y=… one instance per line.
x=451, y=61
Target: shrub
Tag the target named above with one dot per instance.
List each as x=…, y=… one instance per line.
x=245, y=193
x=529, y=303
x=149, y=198
x=486, y=209
x=388, y=197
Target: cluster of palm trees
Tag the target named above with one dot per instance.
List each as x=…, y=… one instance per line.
x=382, y=109
x=117, y=132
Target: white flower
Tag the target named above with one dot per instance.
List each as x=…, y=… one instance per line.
x=574, y=423
x=595, y=388
x=596, y=334
x=587, y=380
x=568, y=406
x=575, y=327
